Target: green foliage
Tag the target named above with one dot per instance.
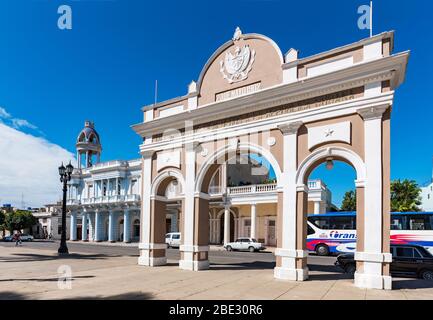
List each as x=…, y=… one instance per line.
x=19, y=220
x=2, y=220
x=405, y=196
x=349, y=201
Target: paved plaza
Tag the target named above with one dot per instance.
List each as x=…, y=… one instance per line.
x=31, y=271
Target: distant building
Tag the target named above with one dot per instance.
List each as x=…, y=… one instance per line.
x=427, y=196
x=49, y=222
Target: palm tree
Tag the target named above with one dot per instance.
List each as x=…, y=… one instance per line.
x=405, y=196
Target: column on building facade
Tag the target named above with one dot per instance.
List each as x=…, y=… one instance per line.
x=218, y=228
x=291, y=259
x=111, y=226
x=195, y=219
x=84, y=218
x=317, y=207
x=92, y=226
x=226, y=224
x=174, y=222
x=372, y=253
x=73, y=226
x=253, y=221
x=126, y=226
x=98, y=226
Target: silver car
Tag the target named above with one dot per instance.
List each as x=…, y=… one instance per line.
x=245, y=244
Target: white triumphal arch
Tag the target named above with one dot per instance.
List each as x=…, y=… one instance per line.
x=252, y=103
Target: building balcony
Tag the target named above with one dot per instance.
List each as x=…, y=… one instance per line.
x=106, y=200
x=254, y=188
x=316, y=185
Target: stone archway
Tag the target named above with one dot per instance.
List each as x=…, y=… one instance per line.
x=294, y=112
x=153, y=220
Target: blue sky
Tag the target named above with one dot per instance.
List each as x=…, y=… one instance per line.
x=104, y=69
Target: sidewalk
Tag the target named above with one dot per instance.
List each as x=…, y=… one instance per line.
x=36, y=273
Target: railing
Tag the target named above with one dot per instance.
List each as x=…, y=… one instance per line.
x=261, y=188
x=113, y=163
x=107, y=199
x=72, y=202
x=316, y=184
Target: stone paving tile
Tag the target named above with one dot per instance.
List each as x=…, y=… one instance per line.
x=345, y=290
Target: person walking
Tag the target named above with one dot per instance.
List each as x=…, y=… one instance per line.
x=17, y=238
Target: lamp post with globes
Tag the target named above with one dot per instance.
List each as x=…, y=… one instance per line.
x=65, y=176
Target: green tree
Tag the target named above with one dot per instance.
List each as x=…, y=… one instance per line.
x=19, y=220
x=405, y=196
x=2, y=221
x=349, y=201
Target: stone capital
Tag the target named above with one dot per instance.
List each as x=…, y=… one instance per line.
x=290, y=128
x=147, y=154
x=374, y=112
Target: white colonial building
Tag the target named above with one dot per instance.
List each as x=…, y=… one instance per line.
x=104, y=198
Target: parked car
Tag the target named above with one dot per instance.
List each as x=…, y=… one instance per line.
x=249, y=244
x=7, y=238
x=26, y=237
x=172, y=239
x=411, y=260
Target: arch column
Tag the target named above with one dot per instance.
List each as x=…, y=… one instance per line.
x=290, y=252
x=73, y=226
x=152, y=220
x=253, y=221
x=226, y=224
x=195, y=238
x=84, y=218
x=316, y=207
x=373, y=253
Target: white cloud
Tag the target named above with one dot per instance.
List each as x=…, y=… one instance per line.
x=28, y=166
x=21, y=123
x=6, y=117
x=4, y=114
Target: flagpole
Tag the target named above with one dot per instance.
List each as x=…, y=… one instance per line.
x=371, y=19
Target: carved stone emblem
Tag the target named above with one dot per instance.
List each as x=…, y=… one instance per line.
x=236, y=66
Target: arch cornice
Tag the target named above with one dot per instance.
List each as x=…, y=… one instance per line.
x=230, y=148
x=336, y=152
x=230, y=43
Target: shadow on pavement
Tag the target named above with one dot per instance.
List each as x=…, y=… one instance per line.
x=138, y=295
x=243, y=265
x=55, y=279
x=9, y=295
x=30, y=257
x=411, y=284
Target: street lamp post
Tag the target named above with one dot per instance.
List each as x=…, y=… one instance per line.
x=65, y=176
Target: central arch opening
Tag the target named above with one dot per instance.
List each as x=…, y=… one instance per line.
x=242, y=187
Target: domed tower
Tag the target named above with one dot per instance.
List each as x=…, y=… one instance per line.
x=88, y=146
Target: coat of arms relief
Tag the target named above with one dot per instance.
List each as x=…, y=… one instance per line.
x=236, y=66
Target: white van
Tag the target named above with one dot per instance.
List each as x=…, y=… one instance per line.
x=172, y=239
